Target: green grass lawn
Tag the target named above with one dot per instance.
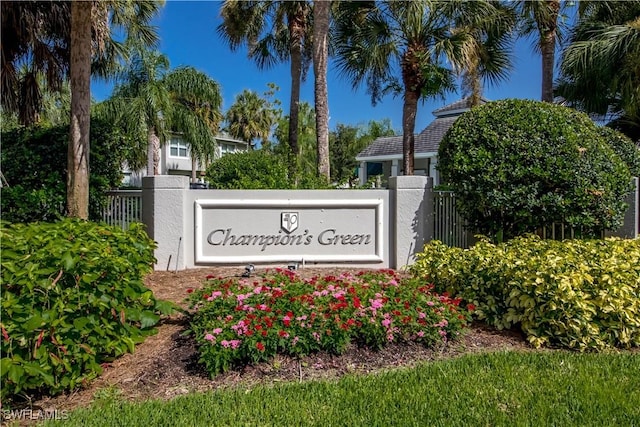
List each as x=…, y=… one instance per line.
x=529, y=388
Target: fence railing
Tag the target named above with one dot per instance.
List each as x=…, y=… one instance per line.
x=448, y=224
x=123, y=208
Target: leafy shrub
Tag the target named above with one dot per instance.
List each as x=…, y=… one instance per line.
x=238, y=321
x=625, y=148
x=248, y=170
x=72, y=298
x=582, y=294
x=258, y=170
x=517, y=165
x=34, y=162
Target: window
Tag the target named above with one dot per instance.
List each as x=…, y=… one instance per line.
x=227, y=148
x=178, y=148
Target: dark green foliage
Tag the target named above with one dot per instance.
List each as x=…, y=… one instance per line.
x=34, y=162
x=626, y=149
x=72, y=298
x=248, y=170
x=517, y=165
x=258, y=170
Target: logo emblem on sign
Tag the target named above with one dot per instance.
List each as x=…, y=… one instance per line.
x=289, y=221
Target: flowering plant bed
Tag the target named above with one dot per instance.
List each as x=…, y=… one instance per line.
x=238, y=321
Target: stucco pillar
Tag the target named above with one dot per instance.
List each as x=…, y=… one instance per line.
x=163, y=213
x=433, y=172
x=412, y=204
x=362, y=173
x=394, y=167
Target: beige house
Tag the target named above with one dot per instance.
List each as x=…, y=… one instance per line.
x=384, y=156
x=176, y=160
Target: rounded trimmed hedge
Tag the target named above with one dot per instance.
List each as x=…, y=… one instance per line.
x=517, y=165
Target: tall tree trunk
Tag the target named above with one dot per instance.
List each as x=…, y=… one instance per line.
x=321, y=10
x=548, y=48
x=80, y=82
x=296, y=26
x=409, y=110
x=153, y=152
x=193, y=168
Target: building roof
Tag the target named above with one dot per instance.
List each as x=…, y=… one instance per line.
x=426, y=142
x=456, y=108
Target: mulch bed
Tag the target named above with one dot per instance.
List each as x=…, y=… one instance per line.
x=165, y=365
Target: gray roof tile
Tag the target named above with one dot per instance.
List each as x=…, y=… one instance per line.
x=455, y=107
x=426, y=141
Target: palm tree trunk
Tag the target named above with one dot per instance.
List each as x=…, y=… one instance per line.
x=548, y=49
x=193, y=168
x=321, y=10
x=80, y=81
x=548, y=59
x=153, y=152
x=296, y=27
x=409, y=110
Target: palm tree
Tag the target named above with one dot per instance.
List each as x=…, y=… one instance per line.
x=541, y=16
x=36, y=46
x=600, y=69
x=321, y=16
x=487, y=47
x=273, y=32
x=400, y=47
x=56, y=39
x=195, y=112
x=251, y=117
x=141, y=105
x=80, y=80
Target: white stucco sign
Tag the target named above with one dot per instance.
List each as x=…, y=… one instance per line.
x=238, y=231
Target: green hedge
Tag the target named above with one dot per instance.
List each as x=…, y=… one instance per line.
x=518, y=165
x=34, y=163
x=72, y=298
x=582, y=294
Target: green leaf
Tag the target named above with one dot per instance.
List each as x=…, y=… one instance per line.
x=148, y=319
x=68, y=261
x=34, y=322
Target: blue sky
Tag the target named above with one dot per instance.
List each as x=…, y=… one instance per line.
x=188, y=36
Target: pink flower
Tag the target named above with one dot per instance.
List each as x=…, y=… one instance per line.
x=214, y=295
x=430, y=303
x=386, y=323
x=420, y=334
x=225, y=343
x=235, y=344
x=443, y=323
x=376, y=303
x=209, y=337
x=217, y=331
x=421, y=315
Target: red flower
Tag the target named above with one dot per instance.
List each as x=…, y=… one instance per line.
x=189, y=290
x=471, y=307
x=260, y=346
x=5, y=334
x=210, y=276
x=356, y=302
